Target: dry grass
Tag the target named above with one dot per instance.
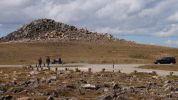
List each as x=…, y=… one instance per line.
x=161, y=67
x=79, y=52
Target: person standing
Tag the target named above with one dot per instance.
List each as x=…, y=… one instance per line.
x=48, y=61
x=40, y=62
x=59, y=61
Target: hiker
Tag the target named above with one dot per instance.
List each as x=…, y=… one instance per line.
x=60, y=61
x=54, y=61
x=39, y=62
x=48, y=61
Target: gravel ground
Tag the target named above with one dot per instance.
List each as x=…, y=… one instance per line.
x=125, y=68
x=17, y=83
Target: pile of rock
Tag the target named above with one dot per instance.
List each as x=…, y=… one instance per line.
x=47, y=29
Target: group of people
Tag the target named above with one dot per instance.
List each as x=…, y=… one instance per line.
x=40, y=61
x=48, y=61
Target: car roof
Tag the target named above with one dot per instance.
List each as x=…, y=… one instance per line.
x=167, y=57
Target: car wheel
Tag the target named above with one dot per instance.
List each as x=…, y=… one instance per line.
x=171, y=63
x=158, y=63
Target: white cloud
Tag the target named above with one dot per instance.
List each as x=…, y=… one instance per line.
x=156, y=18
x=173, y=17
x=169, y=31
x=152, y=43
x=172, y=43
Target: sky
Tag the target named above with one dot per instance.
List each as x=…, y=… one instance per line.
x=144, y=21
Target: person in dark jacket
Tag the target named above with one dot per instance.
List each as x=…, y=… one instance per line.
x=40, y=62
x=48, y=61
x=60, y=61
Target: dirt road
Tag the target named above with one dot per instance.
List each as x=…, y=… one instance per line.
x=126, y=68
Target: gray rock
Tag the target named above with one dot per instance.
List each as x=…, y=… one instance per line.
x=89, y=86
x=8, y=97
x=50, y=98
x=105, y=97
x=15, y=90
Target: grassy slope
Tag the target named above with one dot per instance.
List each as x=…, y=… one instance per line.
x=119, y=52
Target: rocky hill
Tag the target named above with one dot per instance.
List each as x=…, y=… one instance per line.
x=47, y=29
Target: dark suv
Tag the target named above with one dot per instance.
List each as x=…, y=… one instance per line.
x=166, y=60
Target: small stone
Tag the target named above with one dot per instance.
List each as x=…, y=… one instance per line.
x=171, y=73
x=135, y=71
x=105, y=97
x=50, y=98
x=103, y=70
x=106, y=90
x=16, y=90
x=89, y=70
x=77, y=70
x=1, y=72
x=155, y=77
x=34, y=72
x=53, y=77
x=154, y=72
x=25, y=98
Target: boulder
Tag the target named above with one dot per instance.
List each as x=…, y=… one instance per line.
x=89, y=86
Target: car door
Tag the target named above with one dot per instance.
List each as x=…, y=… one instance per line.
x=167, y=61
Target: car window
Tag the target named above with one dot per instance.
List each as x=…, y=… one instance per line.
x=165, y=58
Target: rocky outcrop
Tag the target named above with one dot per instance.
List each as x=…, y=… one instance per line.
x=47, y=29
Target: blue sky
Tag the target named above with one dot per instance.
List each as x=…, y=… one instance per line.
x=144, y=21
